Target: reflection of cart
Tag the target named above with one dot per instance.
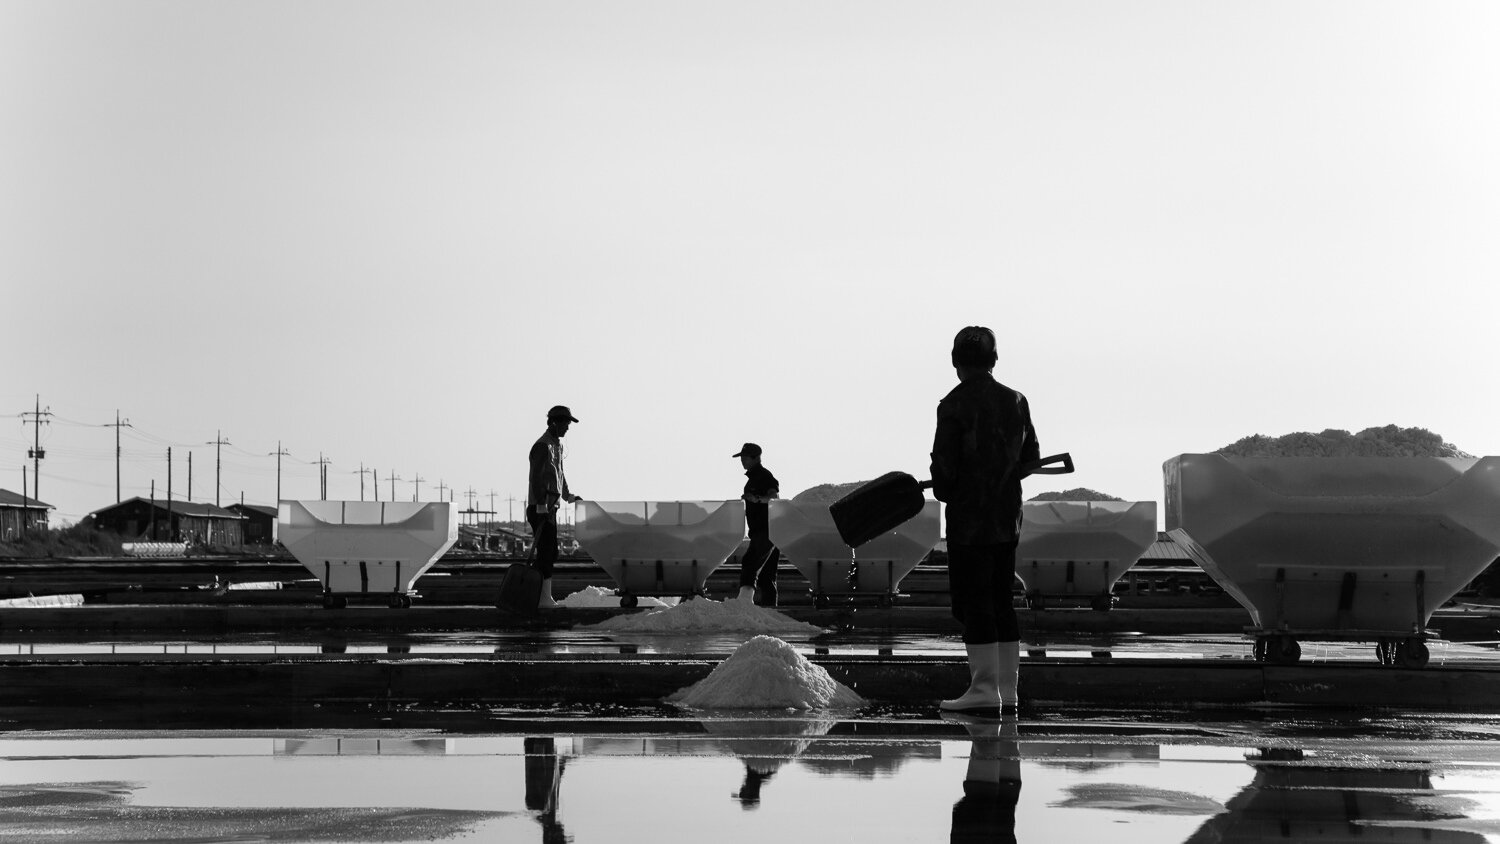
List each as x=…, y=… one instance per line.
x=1337, y=548
x=1075, y=549
x=806, y=534
x=659, y=547
x=359, y=548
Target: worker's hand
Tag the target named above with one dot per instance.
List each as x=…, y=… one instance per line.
x=575, y=498
x=541, y=509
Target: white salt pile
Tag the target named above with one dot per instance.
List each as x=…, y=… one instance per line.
x=599, y=596
x=767, y=673
x=704, y=615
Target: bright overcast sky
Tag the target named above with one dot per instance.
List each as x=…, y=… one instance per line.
x=395, y=233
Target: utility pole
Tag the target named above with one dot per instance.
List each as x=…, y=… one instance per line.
x=510, y=508
x=393, y=484
x=218, y=442
x=117, y=425
x=441, y=487
x=416, y=486
x=36, y=452
x=280, y=453
x=190, y=477
x=170, y=532
x=371, y=472
x=375, y=483
x=323, y=476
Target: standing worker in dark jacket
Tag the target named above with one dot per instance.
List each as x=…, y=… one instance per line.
x=984, y=434
x=546, y=489
x=759, y=566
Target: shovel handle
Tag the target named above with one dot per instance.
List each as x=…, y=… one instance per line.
x=1045, y=465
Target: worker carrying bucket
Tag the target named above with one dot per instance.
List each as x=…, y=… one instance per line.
x=984, y=445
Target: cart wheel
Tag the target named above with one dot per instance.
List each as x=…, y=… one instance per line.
x=1103, y=602
x=1283, y=650
x=1412, y=653
x=1259, y=650
x=399, y=601
x=1034, y=601
x=628, y=600
x=820, y=602
x=394, y=601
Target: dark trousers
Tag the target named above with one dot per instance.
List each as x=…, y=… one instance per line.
x=980, y=579
x=758, y=569
x=543, y=539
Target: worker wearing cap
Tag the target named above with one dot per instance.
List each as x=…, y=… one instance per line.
x=759, y=566
x=984, y=433
x=545, y=491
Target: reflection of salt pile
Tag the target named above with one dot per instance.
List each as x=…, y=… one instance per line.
x=599, y=596
x=766, y=673
x=702, y=615
x=765, y=745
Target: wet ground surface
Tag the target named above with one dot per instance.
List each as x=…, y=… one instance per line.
x=654, y=774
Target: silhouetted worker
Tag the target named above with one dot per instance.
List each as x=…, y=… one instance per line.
x=545, y=491
x=758, y=569
x=984, y=433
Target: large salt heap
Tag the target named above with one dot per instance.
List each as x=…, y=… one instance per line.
x=704, y=615
x=767, y=673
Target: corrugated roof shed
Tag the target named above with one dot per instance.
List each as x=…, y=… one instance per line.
x=15, y=499
x=181, y=508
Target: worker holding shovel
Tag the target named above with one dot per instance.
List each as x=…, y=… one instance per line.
x=984, y=435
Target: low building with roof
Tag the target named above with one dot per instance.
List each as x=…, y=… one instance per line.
x=260, y=522
x=154, y=520
x=20, y=514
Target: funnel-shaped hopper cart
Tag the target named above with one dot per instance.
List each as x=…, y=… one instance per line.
x=1079, y=549
x=1337, y=548
x=806, y=534
x=659, y=547
x=364, y=548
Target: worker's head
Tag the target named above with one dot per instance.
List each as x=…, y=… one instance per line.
x=559, y=418
x=749, y=455
x=974, y=349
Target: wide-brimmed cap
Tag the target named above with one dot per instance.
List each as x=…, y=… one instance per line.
x=750, y=449
x=561, y=412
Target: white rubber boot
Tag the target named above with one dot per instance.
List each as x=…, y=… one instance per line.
x=1009, y=674
x=546, y=602
x=983, y=695
x=747, y=594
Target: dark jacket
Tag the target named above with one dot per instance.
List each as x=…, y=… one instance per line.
x=547, y=483
x=760, y=482
x=983, y=433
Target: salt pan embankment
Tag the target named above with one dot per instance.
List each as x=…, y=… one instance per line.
x=704, y=615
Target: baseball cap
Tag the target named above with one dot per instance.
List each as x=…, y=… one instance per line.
x=561, y=411
x=974, y=346
x=748, y=448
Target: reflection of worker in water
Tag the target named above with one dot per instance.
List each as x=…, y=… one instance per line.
x=758, y=569
x=546, y=489
x=992, y=784
x=984, y=433
x=543, y=785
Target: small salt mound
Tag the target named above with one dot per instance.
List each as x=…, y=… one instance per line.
x=599, y=596
x=767, y=673
x=702, y=615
